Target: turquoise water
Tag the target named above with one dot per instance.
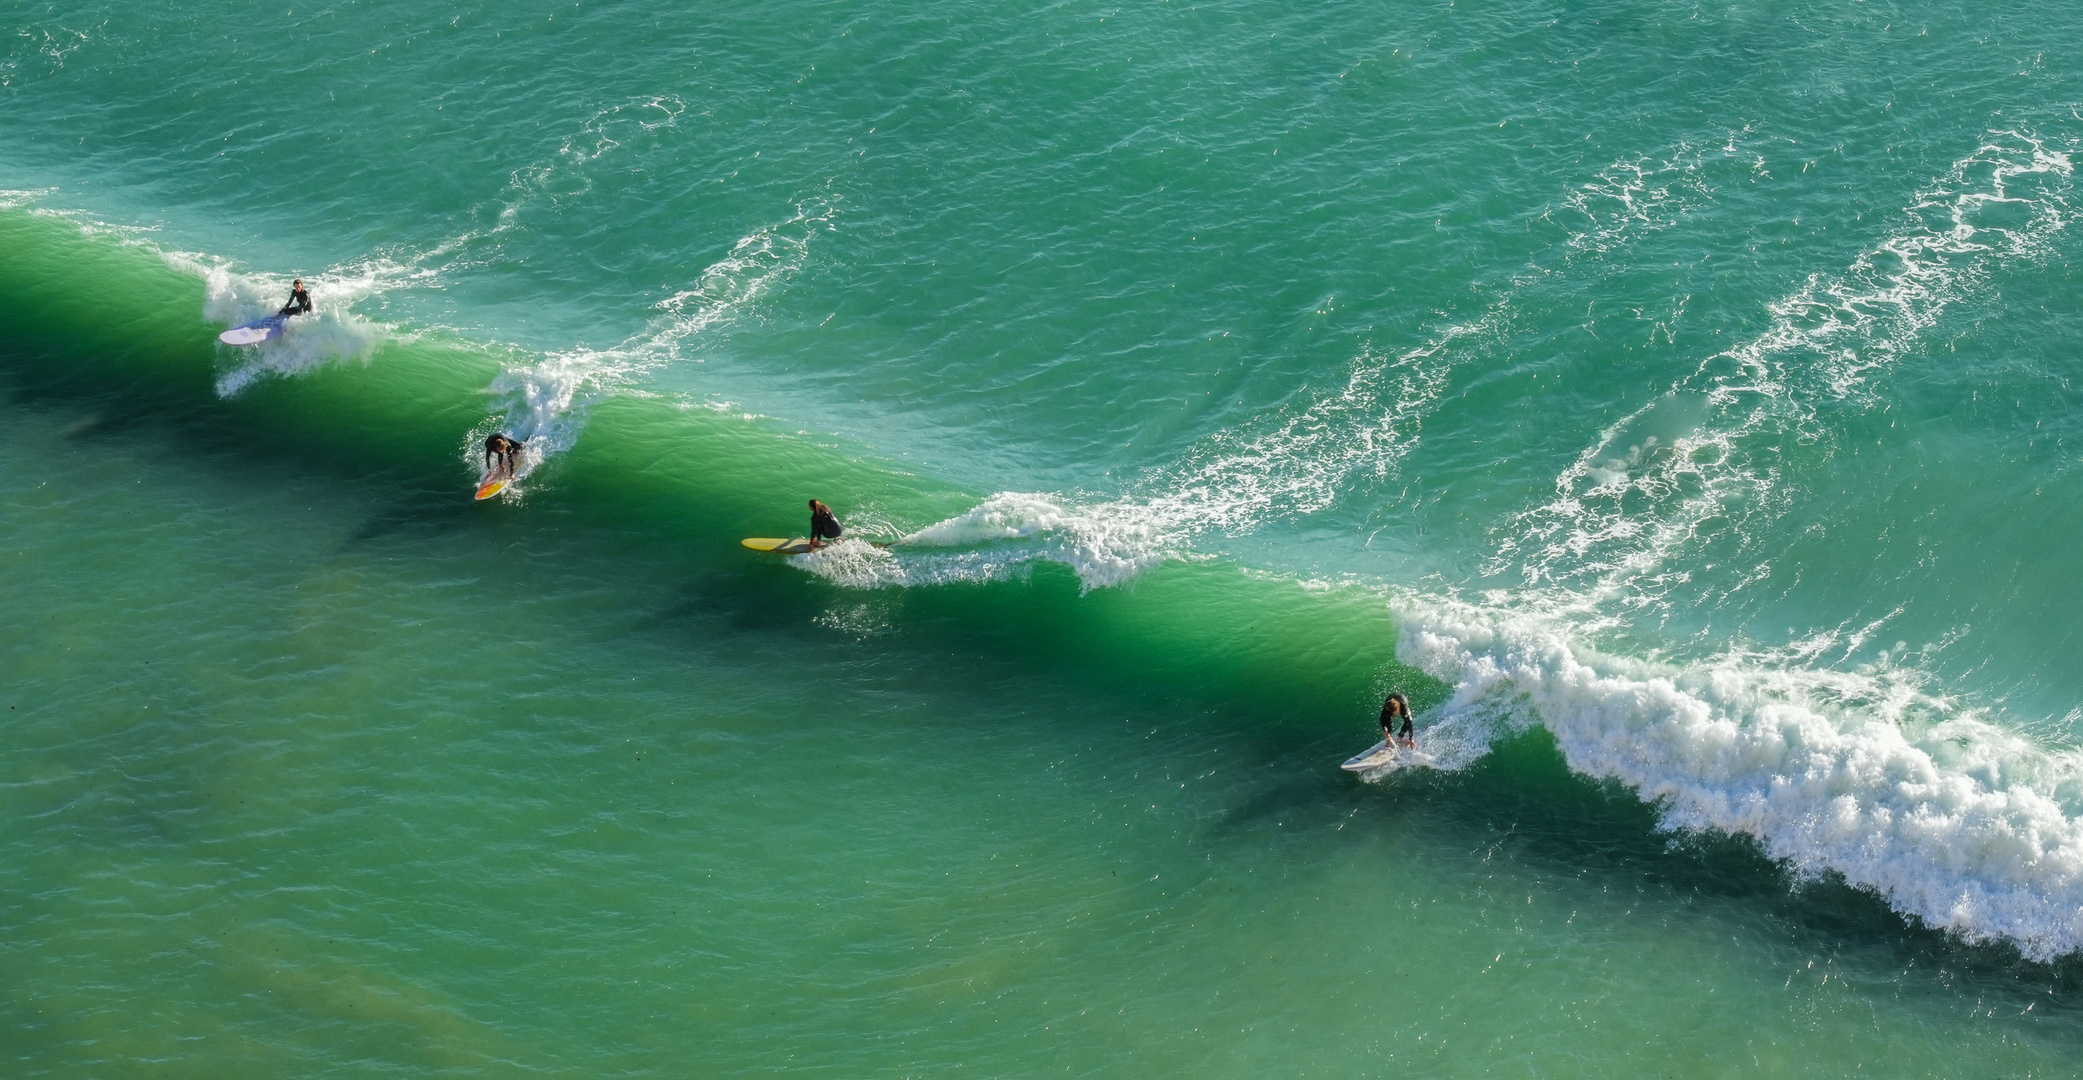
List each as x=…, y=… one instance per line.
x=1676, y=403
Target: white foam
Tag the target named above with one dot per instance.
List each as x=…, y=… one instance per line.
x=331, y=333
x=1644, y=194
x=545, y=401
x=231, y=297
x=1951, y=818
x=1629, y=503
x=1303, y=459
x=16, y=198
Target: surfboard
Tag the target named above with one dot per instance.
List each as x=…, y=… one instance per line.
x=798, y=545
x=1382, y=758
x=255, y=332
x=493, y=485
x=778, y=546
x=1374, y=757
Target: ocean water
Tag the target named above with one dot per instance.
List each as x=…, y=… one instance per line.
x=1677, y=403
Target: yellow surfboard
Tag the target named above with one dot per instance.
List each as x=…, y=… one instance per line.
x=493, y=485
x=778, y=546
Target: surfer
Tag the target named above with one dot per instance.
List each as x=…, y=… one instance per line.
x=1397, y=706
x=823, y=525
x=504, y=451
x=299, y=301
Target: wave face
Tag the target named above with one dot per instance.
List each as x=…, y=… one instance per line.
x=1691, y=391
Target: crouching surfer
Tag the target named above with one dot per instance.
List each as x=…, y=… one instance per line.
x=501, y=455
x=299, y=301
x=824, y=525
x=1397, y=709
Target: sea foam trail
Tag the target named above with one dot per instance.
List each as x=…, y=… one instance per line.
x=1704, y=459
x=1864, y=773
x=1304, y=459
x=334, y=332
x=1952, y=819
x=545, y=400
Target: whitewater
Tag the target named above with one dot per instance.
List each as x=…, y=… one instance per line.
x=1678, y=405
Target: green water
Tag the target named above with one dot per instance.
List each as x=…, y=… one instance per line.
x=1676, y=403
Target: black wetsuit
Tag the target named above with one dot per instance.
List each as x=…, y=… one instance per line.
x=823, y=526
x=299, y=303
x=503, y=449
x=1388, y=721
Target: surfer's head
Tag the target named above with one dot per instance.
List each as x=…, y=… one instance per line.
x=299, y=284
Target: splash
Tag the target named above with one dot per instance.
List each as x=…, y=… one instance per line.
x=330, y=334
x=1303, y=459
x=545, y=401
x=1864, y=774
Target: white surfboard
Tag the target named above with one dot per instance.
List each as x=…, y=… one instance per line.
x=1374, y=757
x=255, y=332
x=1385, y=755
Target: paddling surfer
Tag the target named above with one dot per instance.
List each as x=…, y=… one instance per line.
x=504, y=451
x=299, y=301
x=1397, y=706
x=823, y=525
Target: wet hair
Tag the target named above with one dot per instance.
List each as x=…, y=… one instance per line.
x=1403, y=704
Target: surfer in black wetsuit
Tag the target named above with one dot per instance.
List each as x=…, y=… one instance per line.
x=823, y=526
x=504, y=451
x=299, y=301
x=1397, y=706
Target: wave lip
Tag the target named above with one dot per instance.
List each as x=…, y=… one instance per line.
x=1958, y=823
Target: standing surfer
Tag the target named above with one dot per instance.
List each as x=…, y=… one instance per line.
x=299, y=301
x=504, y=451
x=1397, y=706
x=823, y=525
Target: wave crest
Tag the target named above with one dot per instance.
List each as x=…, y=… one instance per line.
x=1953, y=819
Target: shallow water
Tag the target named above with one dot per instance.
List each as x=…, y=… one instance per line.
x=1675, y=403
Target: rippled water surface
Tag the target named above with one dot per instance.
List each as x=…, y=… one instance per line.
x=1675, y=403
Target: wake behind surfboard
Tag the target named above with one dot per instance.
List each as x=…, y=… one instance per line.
x=255, y=332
